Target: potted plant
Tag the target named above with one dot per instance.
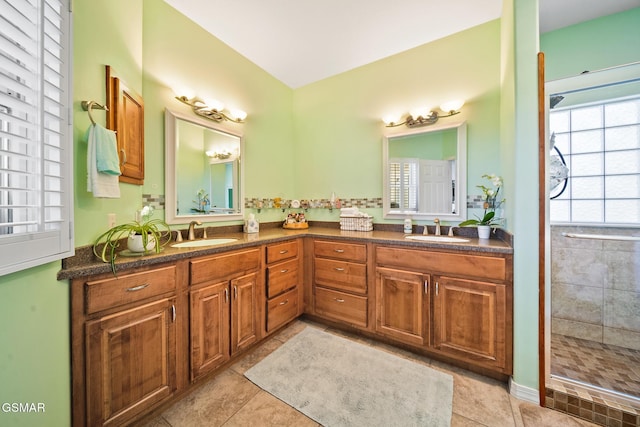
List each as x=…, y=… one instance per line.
x=490, y=197
x=143, y=235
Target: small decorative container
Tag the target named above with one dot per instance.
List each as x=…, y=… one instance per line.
x=356, y=223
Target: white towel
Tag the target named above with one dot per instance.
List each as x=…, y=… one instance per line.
x=100, y=184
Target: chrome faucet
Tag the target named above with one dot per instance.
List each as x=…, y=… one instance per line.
x=437, y=223
x=192, y=225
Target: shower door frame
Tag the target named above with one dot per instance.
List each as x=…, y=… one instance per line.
x=617, y=74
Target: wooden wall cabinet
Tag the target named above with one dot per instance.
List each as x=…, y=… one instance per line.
x=126, y=118
x=225, y=309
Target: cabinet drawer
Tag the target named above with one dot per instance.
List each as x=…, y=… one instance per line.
x=281, y=309
x=339, y=250
x=485, y=267
x=281, y=277
x=341, y=306
x=221, y=266
x=347, y=276
x=282, y=251
x=128, y=288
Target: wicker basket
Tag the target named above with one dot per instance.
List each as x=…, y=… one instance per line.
x=356, y=223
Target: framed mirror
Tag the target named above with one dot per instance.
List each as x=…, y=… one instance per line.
x=425, y=173
x=203, y=170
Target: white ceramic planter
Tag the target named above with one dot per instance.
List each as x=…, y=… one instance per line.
x=134, y=243
x=484, y=231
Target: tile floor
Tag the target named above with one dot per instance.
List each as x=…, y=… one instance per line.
x=606, y=366
x=229, y=399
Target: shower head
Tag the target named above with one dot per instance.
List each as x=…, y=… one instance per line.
x=555, y=100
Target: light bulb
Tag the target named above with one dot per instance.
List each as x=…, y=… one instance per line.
x=391, y=119
x=420, y=112
x=214, y=104
x=238, y=115
x=450, y=106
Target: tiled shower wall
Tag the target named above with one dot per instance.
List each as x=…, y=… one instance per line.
x=595, y=286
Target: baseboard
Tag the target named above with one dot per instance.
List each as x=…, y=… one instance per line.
x=523, y=393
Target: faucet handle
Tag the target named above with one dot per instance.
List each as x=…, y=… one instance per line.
x=178, y=236
x=450, y=234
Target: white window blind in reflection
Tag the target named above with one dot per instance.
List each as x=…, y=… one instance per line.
x=601, y=145
x=35, y=143
x=403, y=189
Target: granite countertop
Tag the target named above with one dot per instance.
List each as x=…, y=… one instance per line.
x=84, y=263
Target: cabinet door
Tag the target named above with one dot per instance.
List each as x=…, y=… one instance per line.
x=402, y=302
x=470, y=320
x=126, y=117
x=131, y=362
x=244, y=312
x=210, y=307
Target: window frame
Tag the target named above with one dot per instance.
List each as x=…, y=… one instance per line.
x=29, y=249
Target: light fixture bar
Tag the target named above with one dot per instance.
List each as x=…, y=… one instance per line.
x=216, y=114
x=430, y=118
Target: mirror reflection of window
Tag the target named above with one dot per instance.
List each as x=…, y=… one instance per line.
x=422, y=170
x=203, y=176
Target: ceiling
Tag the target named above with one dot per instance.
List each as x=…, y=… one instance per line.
x=300, y=42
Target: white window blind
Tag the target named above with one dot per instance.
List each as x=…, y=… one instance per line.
x=403, y=188
x=36, y=203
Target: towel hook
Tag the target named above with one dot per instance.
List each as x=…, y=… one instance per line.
x=89, y=105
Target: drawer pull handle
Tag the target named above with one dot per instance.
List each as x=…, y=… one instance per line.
x=284, y=251
x=340, y=251
x=226, y=295
x=340, y=300
x=235, y=292
x=338, y=269
x=436, y=288
x=173, y=313
x=284, y=302
x=284, y=270
x=137, y=288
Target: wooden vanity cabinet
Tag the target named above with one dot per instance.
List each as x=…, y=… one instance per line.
x=340, y=288
x=124, y=346
x=465, y=300
x=283, y=278
x=225, y=308
x=402, y=305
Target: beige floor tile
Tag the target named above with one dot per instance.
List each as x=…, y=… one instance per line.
x=255, y=356
x=264, y=410
x=460, y=421
x=482, y=399
x=213, y=403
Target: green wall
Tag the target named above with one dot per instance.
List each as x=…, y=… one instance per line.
x=338, y=121
x=319, y=139
x=594, y=45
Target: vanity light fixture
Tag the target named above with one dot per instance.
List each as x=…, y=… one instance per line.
x=426, y=117
x=213, y=110
x=222, y=155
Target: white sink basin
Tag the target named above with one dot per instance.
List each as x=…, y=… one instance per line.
x=200, y=243
x=437, y=239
